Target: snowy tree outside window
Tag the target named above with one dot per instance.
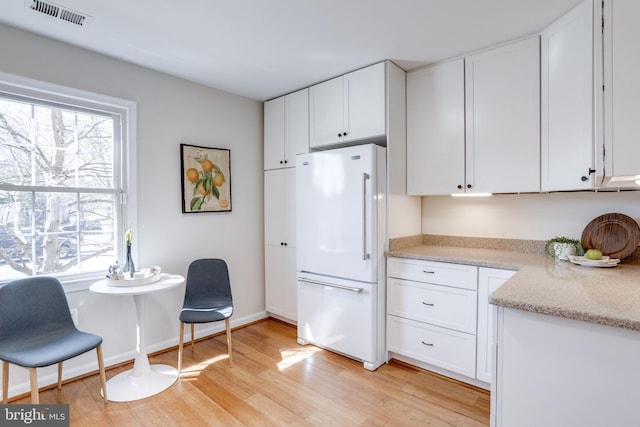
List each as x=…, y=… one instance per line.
x=61, y=187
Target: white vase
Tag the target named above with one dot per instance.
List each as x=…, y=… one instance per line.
x=562, y=251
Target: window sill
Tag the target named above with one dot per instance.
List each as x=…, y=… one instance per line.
x=80, y=284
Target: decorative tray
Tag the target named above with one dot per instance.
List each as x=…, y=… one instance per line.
x=615, y=234
x=586, y=262
x=142, y=277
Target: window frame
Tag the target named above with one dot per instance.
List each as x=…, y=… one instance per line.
x=125, y=152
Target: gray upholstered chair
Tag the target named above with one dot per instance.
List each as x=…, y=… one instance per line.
x=207, y=298
x=36, y=330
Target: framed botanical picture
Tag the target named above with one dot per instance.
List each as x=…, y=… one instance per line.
x=206, y=179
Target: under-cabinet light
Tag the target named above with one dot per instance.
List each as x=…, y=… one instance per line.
x=471, y=194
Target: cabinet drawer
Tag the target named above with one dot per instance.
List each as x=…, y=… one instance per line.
x=439, y=273
x=452, y=308
x=451, y=350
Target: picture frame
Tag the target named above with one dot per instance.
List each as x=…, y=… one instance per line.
x=206, y=179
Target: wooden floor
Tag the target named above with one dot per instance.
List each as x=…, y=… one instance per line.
x=275, y=381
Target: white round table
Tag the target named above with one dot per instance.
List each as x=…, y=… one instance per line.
x=143, y=380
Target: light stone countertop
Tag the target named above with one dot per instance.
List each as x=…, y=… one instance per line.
x=608, y=296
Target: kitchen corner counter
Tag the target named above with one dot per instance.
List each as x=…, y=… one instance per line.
x=607, y=296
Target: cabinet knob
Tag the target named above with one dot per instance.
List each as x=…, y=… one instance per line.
x=459, y=187
x=281, y=243
x=280, y=161
x=285, y=243
x=469, y=186
x=584, y=178
x=344, y=134
x=339, y=135
x=285, y=161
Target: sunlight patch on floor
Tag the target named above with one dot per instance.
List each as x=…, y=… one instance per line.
x=291, y=356
x=193, y=371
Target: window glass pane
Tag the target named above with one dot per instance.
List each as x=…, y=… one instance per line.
x=59, y=191
x=15, y=146
x=48, y=146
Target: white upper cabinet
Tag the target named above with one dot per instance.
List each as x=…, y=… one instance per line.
x=473, y=124
x=348, y=108
x=567, y=102
x=503, y=119
x=622, y=88
x=286, y=129
x=435, y=129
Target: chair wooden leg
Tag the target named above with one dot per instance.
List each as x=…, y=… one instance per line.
x=5, y=382
x=60, y=376
x=103, y=376
x=181, y=342
x=33, y=377
x=192, y=336
x=227, y=324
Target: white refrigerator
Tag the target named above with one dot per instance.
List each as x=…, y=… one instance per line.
x=341, y=235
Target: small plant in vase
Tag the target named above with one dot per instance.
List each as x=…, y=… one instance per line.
x=129, y=266
x=561, y=247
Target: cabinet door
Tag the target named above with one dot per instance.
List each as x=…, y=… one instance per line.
x=435, y=129
x=296, y=129
x=364, y=103
x=622, y=89
x=567, y=102
x=274, y=133
x=489, y=279
x=503, y=119
x=280, y=264
x=326, y=114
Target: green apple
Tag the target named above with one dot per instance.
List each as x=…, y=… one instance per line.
x=594, y=254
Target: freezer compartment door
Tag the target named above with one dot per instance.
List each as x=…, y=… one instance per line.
x=338, y=315
x=336, y=212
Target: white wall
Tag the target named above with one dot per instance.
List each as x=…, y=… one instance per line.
x=524, y=216
x=170, y=111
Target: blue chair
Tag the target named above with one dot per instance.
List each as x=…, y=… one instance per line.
x=36, y=330
x=207, y=298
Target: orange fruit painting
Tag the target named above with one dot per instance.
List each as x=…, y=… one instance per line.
x=206, y=182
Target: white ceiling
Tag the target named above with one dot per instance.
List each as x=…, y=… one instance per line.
x=265, y=48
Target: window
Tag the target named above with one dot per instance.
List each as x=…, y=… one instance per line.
x=63, y=180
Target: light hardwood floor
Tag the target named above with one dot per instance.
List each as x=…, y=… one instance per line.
x=275, y=381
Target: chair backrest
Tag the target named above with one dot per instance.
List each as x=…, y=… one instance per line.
x=208, y=279
x=33, y=307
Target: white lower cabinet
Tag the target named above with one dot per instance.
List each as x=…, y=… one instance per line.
x=439, y=316
x=553, y=371
x=489, y=279
x=431, y=314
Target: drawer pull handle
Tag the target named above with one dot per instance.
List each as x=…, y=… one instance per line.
x=430, y=304
x=428, y=344
x=428, y=272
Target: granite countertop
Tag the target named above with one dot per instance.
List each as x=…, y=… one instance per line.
x=607, y=296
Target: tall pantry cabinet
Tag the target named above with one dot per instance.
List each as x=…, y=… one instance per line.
x=286, y=133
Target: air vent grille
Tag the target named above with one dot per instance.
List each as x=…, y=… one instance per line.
x=74, y=18
x=46, y=8
x=57, y=11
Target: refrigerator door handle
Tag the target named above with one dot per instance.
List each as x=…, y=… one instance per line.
x=331, y=285
x=365, y=255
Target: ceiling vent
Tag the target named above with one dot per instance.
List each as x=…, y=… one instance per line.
x=57, y=11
